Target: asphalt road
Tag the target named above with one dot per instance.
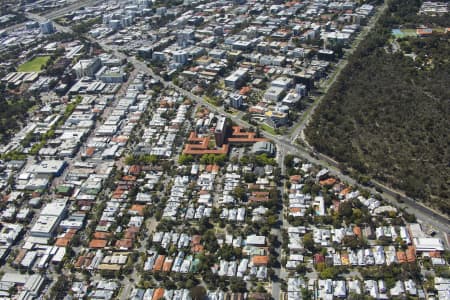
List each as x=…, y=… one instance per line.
x=286, y=145
x=39, y=18
x=423, y=213
x=55, y=14
x=301, y=125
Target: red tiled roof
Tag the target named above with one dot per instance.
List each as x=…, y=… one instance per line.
x=197, y=248
x=124, y=243
x=253, y=199
x=62, y=242
x=129, y=178
x=158, y=294
x=260, y=260
x=357, y=231
x=411, y=254
x=345, y=191
x=424, y=31
x=97, y=244
x=167, y=266
x=196, y=239
x=159, y=263
x=319, y=258
x=98, y=235
x=401, y=257
x=245, y=90
x=134, y=170
x=328, y=181
x=295, y=178
x=435, y=254
x=90, y=151
x=138, y=208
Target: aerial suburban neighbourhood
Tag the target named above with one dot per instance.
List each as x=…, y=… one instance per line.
x=179, y=150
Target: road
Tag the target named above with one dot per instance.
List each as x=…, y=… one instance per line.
x=286, y=145
x=71, y=8
x=280, y=273
x=300, y=127
x=55, y=14
x=39, y=18
x=423, y=213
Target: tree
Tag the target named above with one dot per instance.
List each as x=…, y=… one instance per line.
x=301, y=269
x=220, y=159
x=387, y=143
x=185, y=159
x=308, y=241
x=250, y=177
x=289, y=161
x=210, y=241
x=206, y=159
x=198, y=292
x=58, y=290
x=240, y=193
x=345, y=209
x=352, y=242
x=355, y=296
x=226, y=252
x=329, y=273
x=307, y=294
x=264, y=160
x=272, y=220
x=237, y=285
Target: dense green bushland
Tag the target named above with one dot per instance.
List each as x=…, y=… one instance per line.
x=12, y=113
x=387, y=115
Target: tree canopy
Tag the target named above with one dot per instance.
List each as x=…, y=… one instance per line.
x=386, y=116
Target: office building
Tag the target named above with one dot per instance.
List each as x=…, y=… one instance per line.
x=47, y=27
x=236, y=79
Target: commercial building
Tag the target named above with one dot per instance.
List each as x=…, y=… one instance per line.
x=180, y=56
x=236, y=79
x=50, y=217
x=47, y=27
x=274, y=94
x=48, y=167
x=87, y=67
x=282, y=82
x=264, y=148
x=428, y=244
x=236, y=101
x=326, y=54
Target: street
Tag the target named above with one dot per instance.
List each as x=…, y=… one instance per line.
x=426, y=214
x=285, y=144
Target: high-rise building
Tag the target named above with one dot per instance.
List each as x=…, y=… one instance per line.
x=47, y=27
x=236, y=101
x=180, y=56
x=220, y=132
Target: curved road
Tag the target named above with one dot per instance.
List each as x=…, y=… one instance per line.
x=423, y=213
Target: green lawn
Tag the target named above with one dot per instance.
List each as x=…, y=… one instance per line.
x=34, y=65
x=210, y=100
x=409, y=32
x=267, y=128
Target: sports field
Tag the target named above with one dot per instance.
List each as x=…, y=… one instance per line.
x=34, y=65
